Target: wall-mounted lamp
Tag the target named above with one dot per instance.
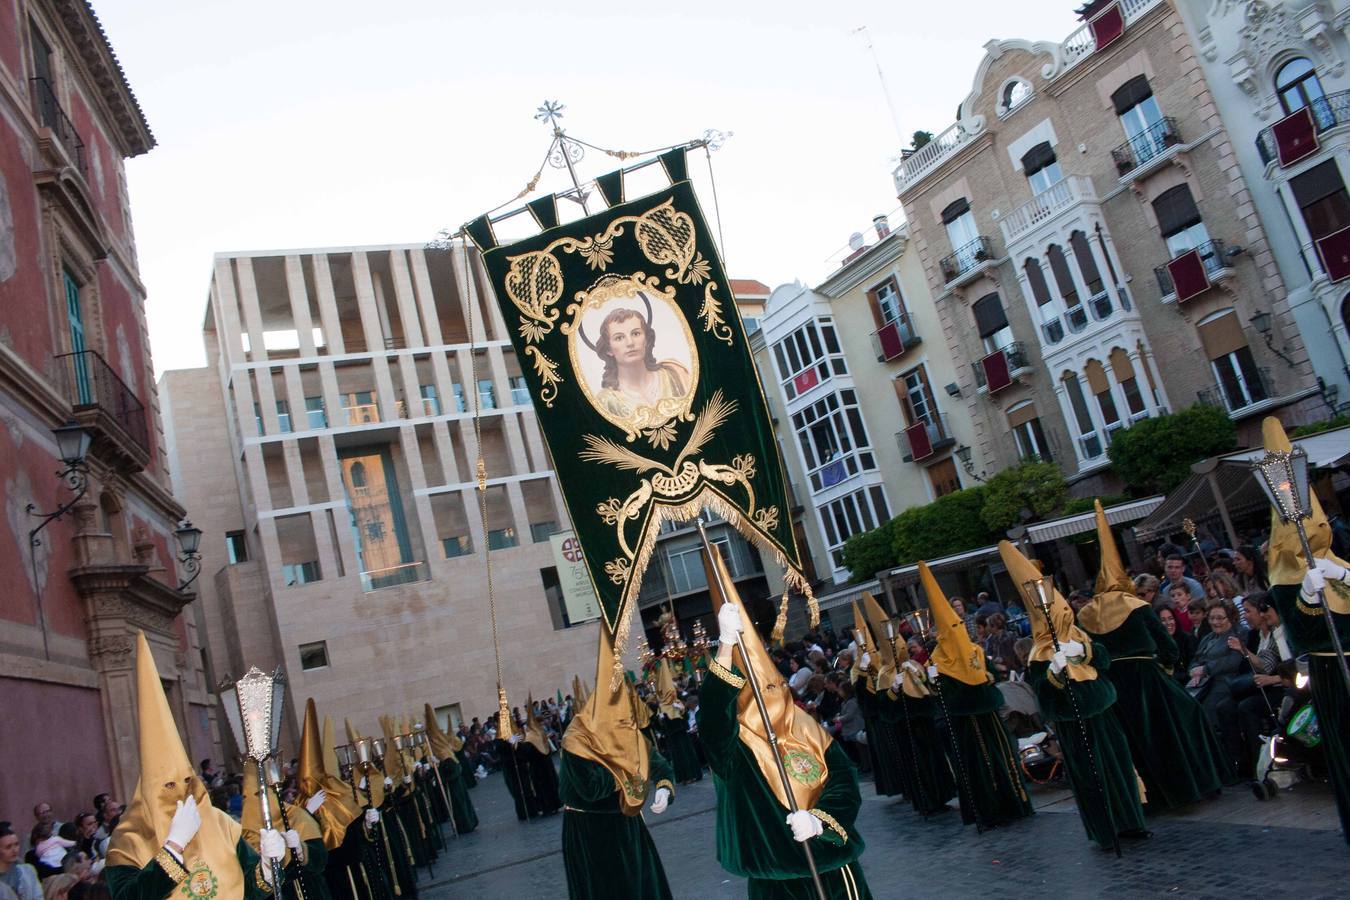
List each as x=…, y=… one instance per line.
x=1264, y=323
x=189, y=540
x=963, y=455
x=72, y=445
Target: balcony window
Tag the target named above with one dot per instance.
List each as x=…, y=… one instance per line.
x=1101, y=389
x=926, y=430
x=1089, y=441
x=807, y=357
x=1147, y=132
x=1297, y=85
x=378, y=525
x=1240, y=382
x=944, y=478
x=887, y=305
x=456, y=546
x=501, y=538
x=487, y=394
x=520, y=392
x=295, y=574
x=991, y=323
x=284, y=417
x=361, y=408
x=1075, y=315
x=852, y=514
x=431, y=403
x=1322, y=200
x=960, y=224
x=1028, y=433
x=833, y=440
x=236, y=548
x=1041, y=168
x=316, y=416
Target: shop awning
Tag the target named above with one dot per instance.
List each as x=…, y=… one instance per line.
x=847, y=594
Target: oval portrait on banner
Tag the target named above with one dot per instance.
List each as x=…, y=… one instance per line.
x=633, y=353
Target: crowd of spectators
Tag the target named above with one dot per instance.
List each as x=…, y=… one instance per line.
x=53, y=859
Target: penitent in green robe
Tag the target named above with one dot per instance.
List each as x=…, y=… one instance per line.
x=1096, y=752
x=1306, y=629
x=358, y=869
x=883, y=746
x=753, y=839
x=151, y=882
x=1171, y=741
x=606, y=854
x=465, y=770
x=680, y=748
x=461, y=807
x=983, y=756
x=928, y=775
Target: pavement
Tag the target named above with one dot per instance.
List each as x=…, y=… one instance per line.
x=1228, y=847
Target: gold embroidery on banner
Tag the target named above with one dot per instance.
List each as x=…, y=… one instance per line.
x=547, y=370
x=711, y=314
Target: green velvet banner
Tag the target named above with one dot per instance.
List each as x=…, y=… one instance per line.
x=642, y=379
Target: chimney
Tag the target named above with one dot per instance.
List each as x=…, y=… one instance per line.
x=882, y=225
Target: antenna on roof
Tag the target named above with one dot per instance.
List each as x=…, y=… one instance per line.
x=885, y=89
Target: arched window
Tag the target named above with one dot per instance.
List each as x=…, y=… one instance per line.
x=1298, y=86
x=358, y=474
x=1015, y=94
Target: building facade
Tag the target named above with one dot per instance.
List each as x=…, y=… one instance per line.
x=1277, y=74
x=1093, y=249
x=328, y=452
x=74, y=346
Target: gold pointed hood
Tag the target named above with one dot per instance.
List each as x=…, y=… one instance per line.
x=1021, y=571
x=1113, y=595
x=439, y=741
x=373, y=774
x=167, y=777
x=1285, y=560
x=338, y=810
x=251, y=820
x=893, y=647
x=862, y=635
x=665, y=691
x=605, y=732
x=534, y=730
x=955, y=655
x=801, y=740
x=578, y=694
x=394, y=764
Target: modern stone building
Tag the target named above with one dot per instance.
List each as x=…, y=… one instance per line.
x=1277, y=75
x=74, y=346
x=1093, y=249
x=328, y=453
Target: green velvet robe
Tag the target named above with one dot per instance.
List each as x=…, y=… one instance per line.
x=680, y=748
x=357, y=869
x=929, y=784
x=606, y=854
x=461, y=807
x=466, y=770
x=544, y=777
x=983, y=755
x=151, y=882
x=437, y=800
x=886, y=752
x=1171, y=741
x=1096, y=752
x=398, y=851
x=516, y=774
x=1306, y=631
x=753, y=839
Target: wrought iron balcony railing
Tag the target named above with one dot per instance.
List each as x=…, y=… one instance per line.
x=54, y=117
x=1327, y=112
x=925, y=438
x=966, y=258
x=1146, y=146
x=1242, y=390
x=891, y=340
x=1214, y=256
x=102, y=401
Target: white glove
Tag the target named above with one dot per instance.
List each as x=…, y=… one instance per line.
x=853, y=649
x=362, y=785
x=271, y=844
x=407, y=779
x=1331, y=570
x=372, y=817
x=866, y=661
x=186, y=820
x=933, y=672
x=1072, y=649
x=292, y=839
x=514, y=739
x=313, y=803
x=1058, y=662
x=897, y=682
x=913, y=667
x=388, y=782
x=1313, y=584
x=729, y=622
x=804, y=825
x=660, y=800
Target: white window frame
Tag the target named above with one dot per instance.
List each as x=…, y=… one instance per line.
x=854, y=452
x=862, y=504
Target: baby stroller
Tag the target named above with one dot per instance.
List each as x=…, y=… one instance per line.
x=1290, y=756
x=1038, y=758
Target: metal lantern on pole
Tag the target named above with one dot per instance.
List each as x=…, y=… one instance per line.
x=253, y=707
x=1284, y=478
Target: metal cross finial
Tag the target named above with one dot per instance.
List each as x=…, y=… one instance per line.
x=550, y=112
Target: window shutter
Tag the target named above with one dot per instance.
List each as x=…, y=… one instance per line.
x=902, y=394
x=1222, y=335
x=955, y=210
x=1036, y=278
x=1096, y=377
x=1037, y=158
x=875, y=306
x=1121, y=365
x=1131, y=93
x=1320, y=181
x=989, y=316
x=1021, y=415
x=1176, y=210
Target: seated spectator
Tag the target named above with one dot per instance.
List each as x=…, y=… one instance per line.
x=1198, y=610
x=1174, y=570
x=49, y=849
x=86, y=834
x=78, y=863
x=987, y=604
x=1219, y=658
x=1000, y=644
x=1146, y=587
x=1184, y=640
x=17, y=880
x=1251, y=569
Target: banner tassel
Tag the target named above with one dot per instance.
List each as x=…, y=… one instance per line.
x=780, y=624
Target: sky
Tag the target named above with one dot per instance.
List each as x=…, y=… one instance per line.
x=286, y=125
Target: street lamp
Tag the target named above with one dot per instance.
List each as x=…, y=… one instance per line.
x=1264, y=325
x=1283, y=475
x=189, y=540
x=963, y=452
x=72, y=445
x=253, y=708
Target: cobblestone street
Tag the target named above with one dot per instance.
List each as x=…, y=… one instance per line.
x=1232, y=846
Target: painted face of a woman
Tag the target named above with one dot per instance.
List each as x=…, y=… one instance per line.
x=627, y=340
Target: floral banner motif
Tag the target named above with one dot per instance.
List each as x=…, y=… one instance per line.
x=643, y=384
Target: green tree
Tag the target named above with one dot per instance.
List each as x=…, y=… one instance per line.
x=1156, y=455
x=1038, y=486
x=949, y=524
x=868, y=553
x=920, y=140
